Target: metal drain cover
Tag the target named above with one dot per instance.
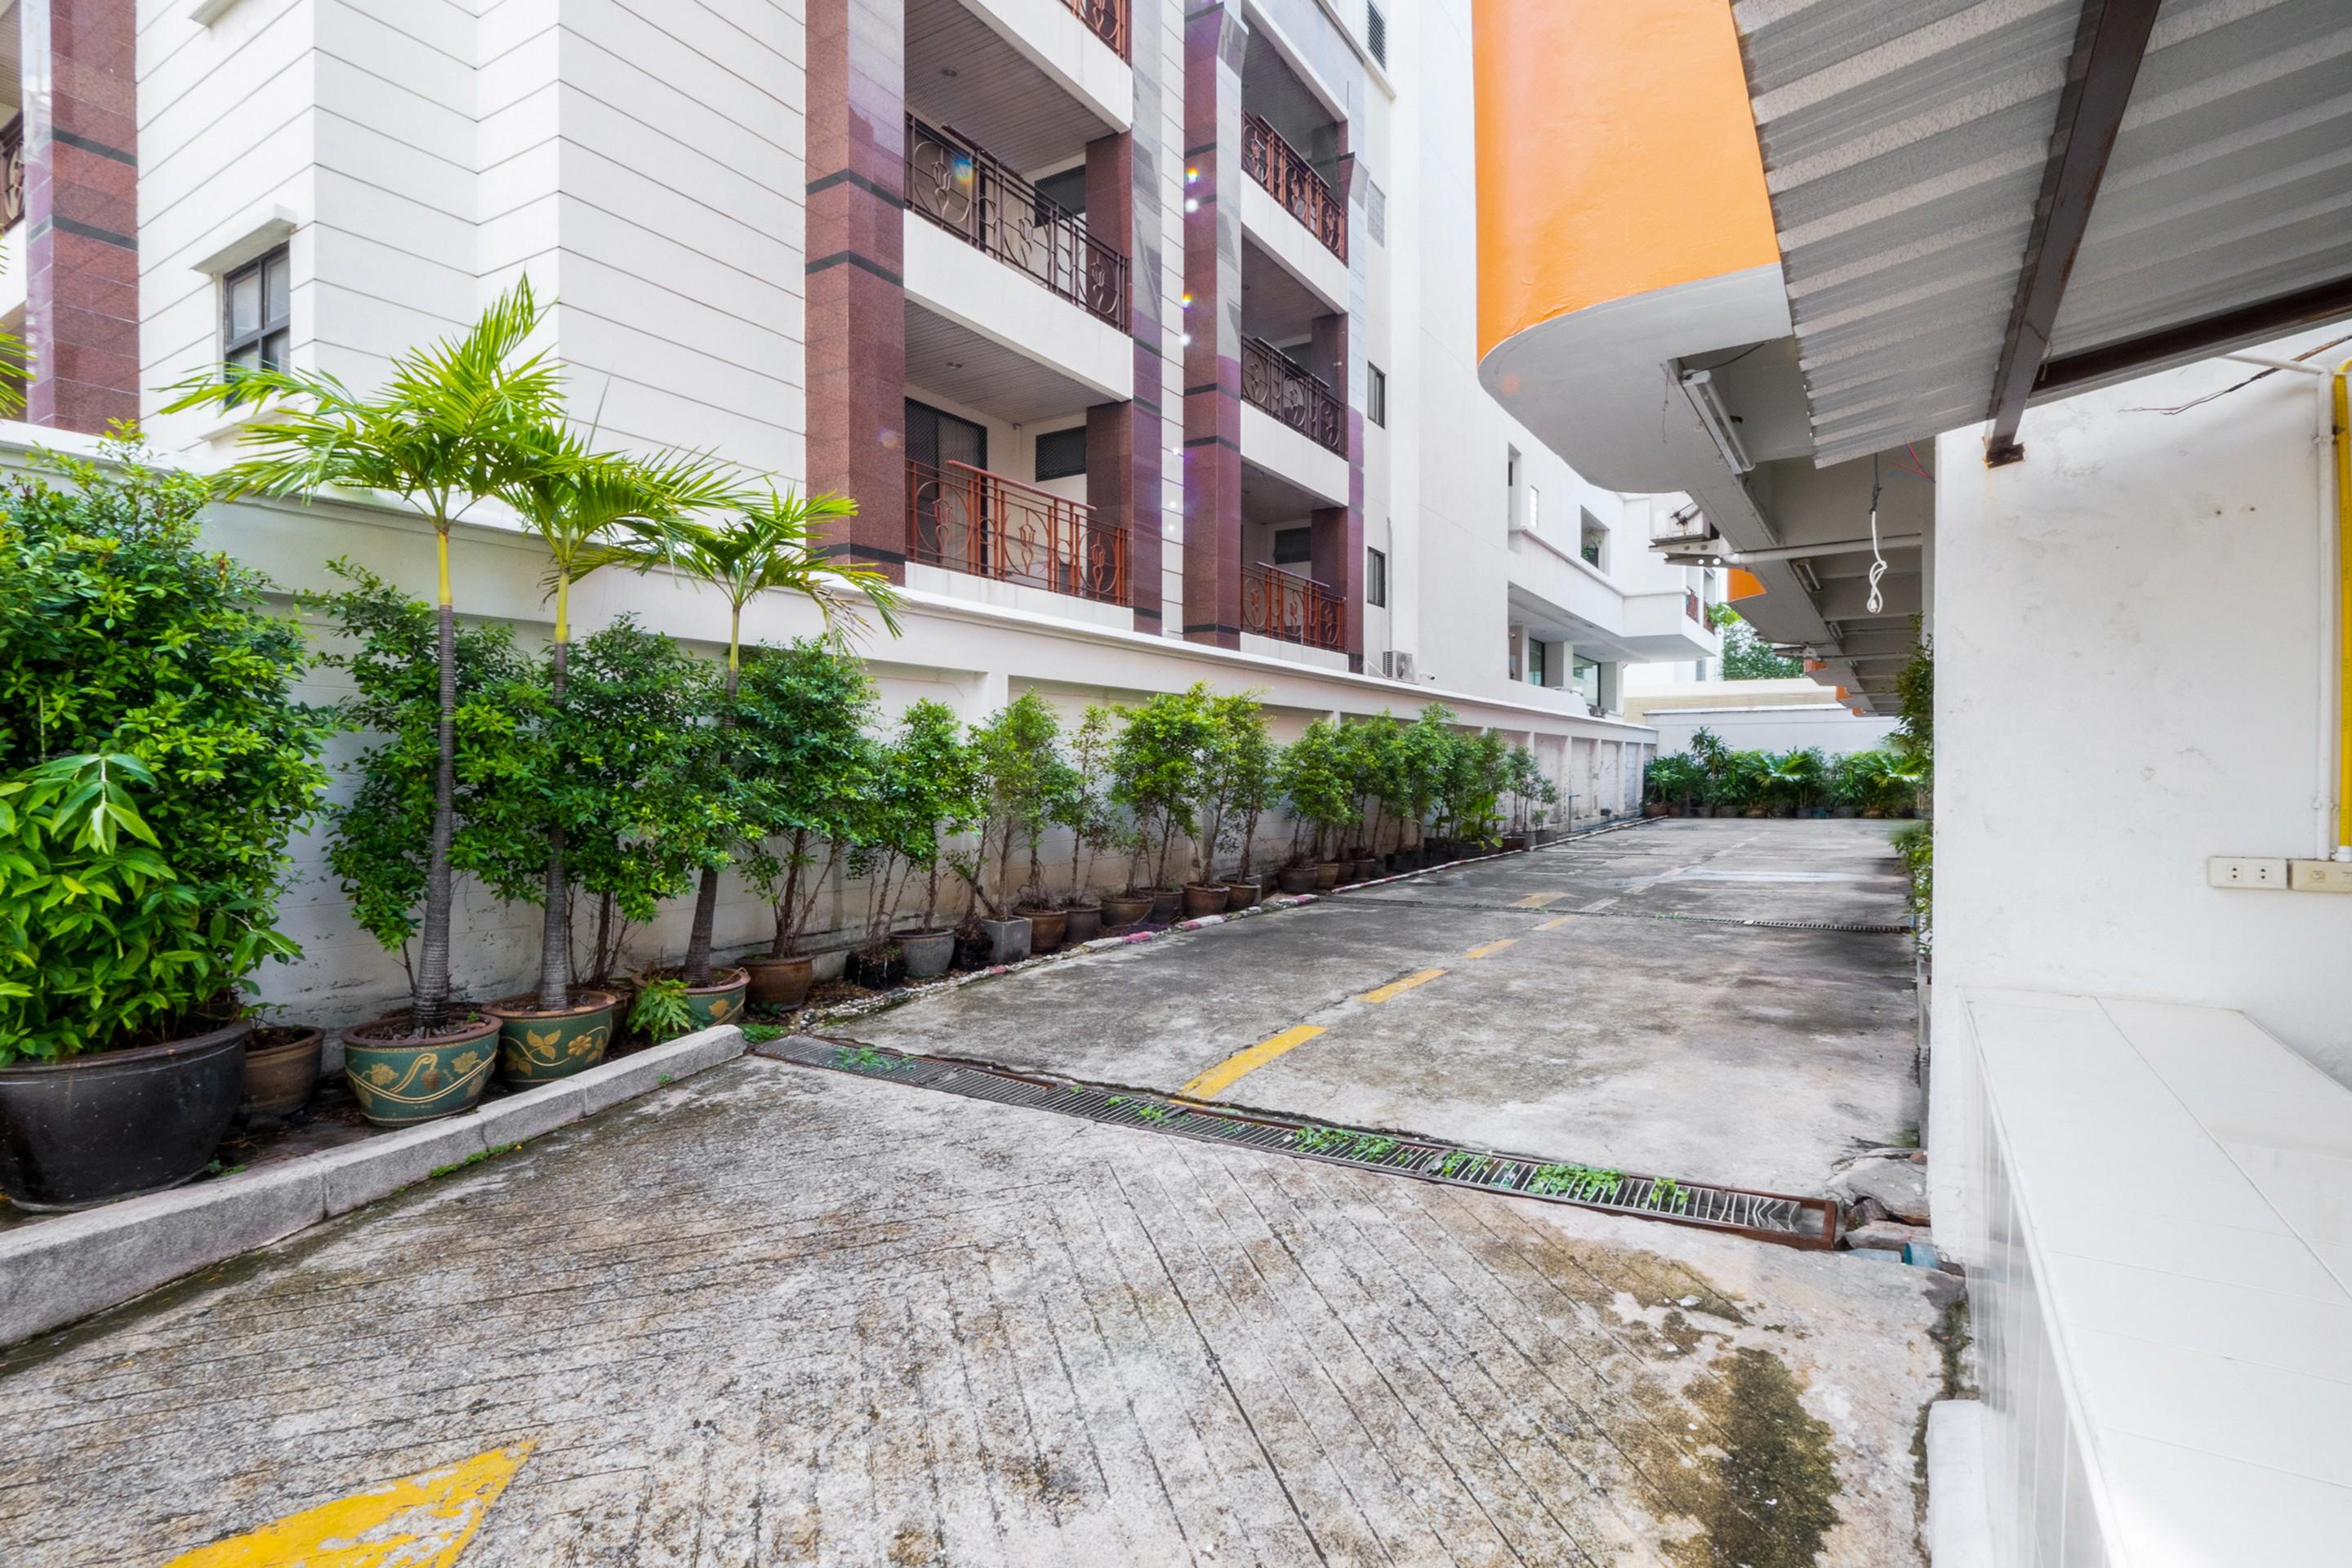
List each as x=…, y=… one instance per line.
x=1783, y=1217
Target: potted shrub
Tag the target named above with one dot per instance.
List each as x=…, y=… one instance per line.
x=1523, y=781
x=385, y=846
x=1314, y=778
x=1671, y=784
x=1155, y=772
x=1426, y=759
x=1374, y=755
x=780, y=545
x=153, y=767
x=1030, y=787
x=802, y=751
x=1245, y=787
x=1713, y=759
x=1087, y=812
x=453, y=424
x=932, y=788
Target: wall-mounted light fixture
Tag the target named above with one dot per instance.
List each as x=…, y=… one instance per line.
x=1698, y=385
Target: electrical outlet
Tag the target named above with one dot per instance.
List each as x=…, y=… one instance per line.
x=2319, y=875
x=2247, y=871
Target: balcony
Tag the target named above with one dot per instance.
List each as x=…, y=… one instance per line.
x=1290, y=609
x=1107, y=20
x=969, y=193
x=983, y=525
x=12, y=174
x=1272, y=383
x=1293, y=182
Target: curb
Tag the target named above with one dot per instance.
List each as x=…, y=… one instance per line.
x=59, y=1270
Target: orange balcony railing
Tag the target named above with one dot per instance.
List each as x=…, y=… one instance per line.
x=1285, y=170
x=970, y=520
x=1286, y=606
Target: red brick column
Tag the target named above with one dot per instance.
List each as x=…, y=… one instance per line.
x=1123, y=472
x=1214, y=39
x=82, y=212
x=1336, y=537
x=856, y=298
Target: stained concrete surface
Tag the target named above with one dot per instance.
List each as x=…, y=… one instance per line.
x=778, y=1316
x=1624, y=1026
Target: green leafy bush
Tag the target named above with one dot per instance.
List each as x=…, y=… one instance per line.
x=802, y=771
x=153, y=763
x=1156, y=769
x=1314, y=777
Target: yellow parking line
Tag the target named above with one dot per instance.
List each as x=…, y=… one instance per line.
x=1555, y=922
x=425, y=1519
x=1536, y=900
x=1493, y=947
x=1241, y=1064
x=1396, y=988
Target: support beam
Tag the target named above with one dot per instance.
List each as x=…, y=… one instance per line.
x=2217, y=334
x=2108, y=45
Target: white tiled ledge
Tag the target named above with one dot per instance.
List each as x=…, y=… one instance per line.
x=2182, y=1186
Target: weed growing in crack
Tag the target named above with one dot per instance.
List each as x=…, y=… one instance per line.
x=1338, y=1141
x=1668, y=1196
x=866, y=1058
x=1460, y=1163
x=1156, y=1114
x=1588, y=1183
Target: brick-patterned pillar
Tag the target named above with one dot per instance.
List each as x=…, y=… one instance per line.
x=1123, y=468
x=82, y=212
x=1215, y=40
x=1337, y=536
x=857, y=309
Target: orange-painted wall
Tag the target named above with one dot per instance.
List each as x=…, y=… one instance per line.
x=1616, y=155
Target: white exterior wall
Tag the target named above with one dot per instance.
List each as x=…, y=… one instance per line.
x=1833, y=728
x=2132, y=633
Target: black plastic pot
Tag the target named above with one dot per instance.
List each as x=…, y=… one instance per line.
x=118, y=1123
x=876, y=971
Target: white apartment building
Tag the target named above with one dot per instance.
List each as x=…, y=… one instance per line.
x=1143, y=333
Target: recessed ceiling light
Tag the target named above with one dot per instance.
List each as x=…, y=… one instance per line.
x=947, y=70
x=955, y=364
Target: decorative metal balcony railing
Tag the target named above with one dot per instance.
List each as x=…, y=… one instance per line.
x=1285, y=170
x=1105, y=19
x=11, y=173
x=963, y=190
x=970, y=520
x=1271, y=381
x=1283, y=605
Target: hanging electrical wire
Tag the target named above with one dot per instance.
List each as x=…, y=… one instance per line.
x=1877, y=558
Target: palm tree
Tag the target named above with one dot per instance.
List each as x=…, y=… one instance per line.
x=454, y=423
x=591, y=508
x=774, y=546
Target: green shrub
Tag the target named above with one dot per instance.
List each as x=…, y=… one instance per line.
x=153, y=763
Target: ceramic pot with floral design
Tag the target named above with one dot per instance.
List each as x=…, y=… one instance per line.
x=401, y=1078
x=536, y=1047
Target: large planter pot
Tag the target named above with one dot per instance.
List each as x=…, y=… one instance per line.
x=1165, y=904
x=1008, y=940
x=1044, y=928
x=399, y=1081
x=1243, y=891
x=118, y=1123
x=878, y=971
x=721, y=1001
x=1297, y=879
x=1125, y=909
x=1365, y=869
x=1205, y=899
x=1514, y=843
x=281, y=1070
x=779, y=982
x=537, y=1047
x=1082, y=924
x=927, y=953
x=1328, y=874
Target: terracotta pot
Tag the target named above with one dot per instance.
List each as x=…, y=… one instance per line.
x=779, y=982
x=1082, y=924
x=402, y=1081
x=1328, y=874
x=1244, y=891
x=926, y=954
x=1165, y=903
x=1365, y=869
x=1295, y=878
x=1205, y=899
x=536, y=1047
x=281, y=1070
x=1044, y=928
x=114, y=1124
x=1125, y=909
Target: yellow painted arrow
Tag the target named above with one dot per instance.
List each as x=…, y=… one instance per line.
x=421, y=1521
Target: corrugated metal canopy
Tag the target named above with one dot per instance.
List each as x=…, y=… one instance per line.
x=1904, y=147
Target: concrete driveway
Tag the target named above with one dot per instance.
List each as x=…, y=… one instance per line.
x=1595, y=1001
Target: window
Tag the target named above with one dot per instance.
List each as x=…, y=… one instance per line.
x=1061, y=453
x=1535, y=508
x=1376, y=212
x=1376, y=577
x=257, y=313
x=1535, y=663
x=1376, y=33
x=1293, y=546
x=1376, y=395
x=1592, y=544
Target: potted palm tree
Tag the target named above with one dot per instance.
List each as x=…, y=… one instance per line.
x=777, y=545
x=153, y=768
x=452, y=425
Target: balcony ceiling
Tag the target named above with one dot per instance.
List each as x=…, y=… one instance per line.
x=1907, y=147
x=995, y=95
x=1275, y=306
x=1267, y=497
x=950, y=359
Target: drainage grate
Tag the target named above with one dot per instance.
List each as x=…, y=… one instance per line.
x=1766, y=1217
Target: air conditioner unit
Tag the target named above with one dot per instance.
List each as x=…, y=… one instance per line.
x=1396, y=666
